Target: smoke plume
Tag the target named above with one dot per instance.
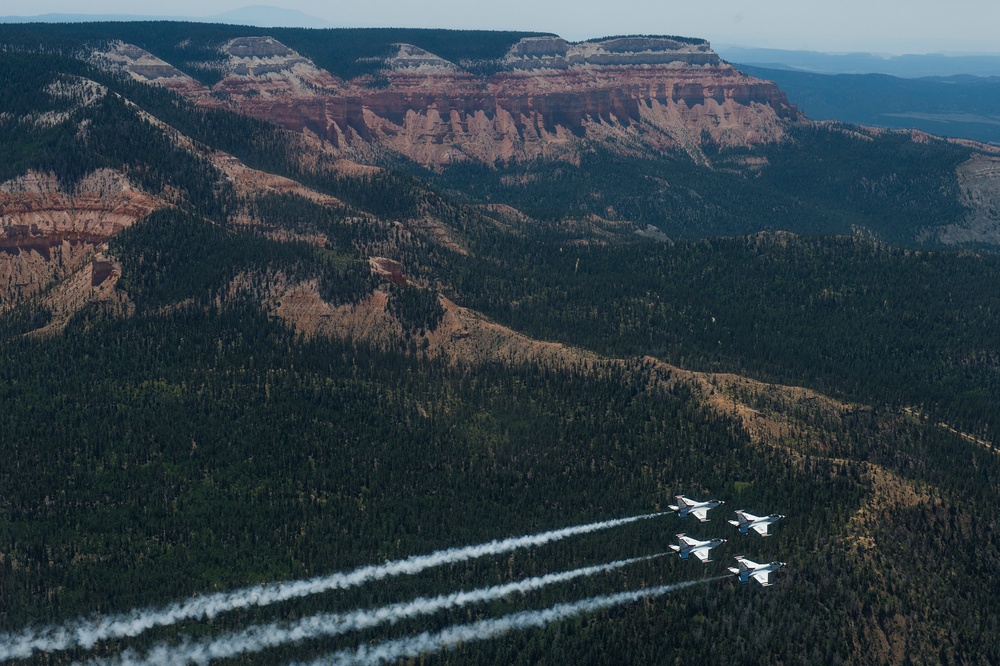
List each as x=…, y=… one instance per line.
x=86, y=632
x=258, y=638
x=414, y=646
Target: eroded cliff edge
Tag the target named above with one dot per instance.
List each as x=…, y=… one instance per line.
x=545, y=98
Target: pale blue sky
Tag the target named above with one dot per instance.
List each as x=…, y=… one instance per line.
x=886, y=26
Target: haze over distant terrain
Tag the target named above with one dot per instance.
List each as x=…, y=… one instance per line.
x=905, y=66
x=256, y=15
x=954, y=106
x=890, y=26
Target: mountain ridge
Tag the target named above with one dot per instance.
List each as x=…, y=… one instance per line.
x=660, y=92
x=960, y=107
x=905, y=65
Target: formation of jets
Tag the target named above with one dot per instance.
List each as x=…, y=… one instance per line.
x=745, y=521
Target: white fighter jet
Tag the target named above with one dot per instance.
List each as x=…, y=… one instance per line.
x=688, y=546
x=757, y=523
x=698, y=509
x=748, y=569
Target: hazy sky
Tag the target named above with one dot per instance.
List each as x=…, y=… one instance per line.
x=888, y=26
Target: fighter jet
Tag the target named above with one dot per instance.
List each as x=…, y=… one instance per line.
x=749, y=569
x=699, y=509
x=758, y=524
x=688, y=546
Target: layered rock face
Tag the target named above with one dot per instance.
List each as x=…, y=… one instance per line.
x=47, y=233
x=37, y=213
x=267, y=80
x=546, y=97
x=144, y=66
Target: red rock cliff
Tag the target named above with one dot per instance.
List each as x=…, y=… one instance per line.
x=546, y=99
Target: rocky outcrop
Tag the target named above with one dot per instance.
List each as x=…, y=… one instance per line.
x=93, y=285
x=546, y=99
x=523, y=113
x=534, y=53
x=101, y=268
x=47, y=232
x=409, y=57
x=36, y=212
x=143, y=66
x=390, y=269
x=266, y=79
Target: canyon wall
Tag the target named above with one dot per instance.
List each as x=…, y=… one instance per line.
x=545, y=98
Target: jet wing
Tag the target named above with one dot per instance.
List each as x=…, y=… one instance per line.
x=701, y=513
x=701, y=554
x=761, y=577
x=686, y=540
x=760, y=528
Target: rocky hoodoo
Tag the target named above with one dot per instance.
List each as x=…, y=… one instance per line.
x=389, y=269
x=546, y=97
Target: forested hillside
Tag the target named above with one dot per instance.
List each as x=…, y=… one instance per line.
x=290, y=364
x=346, y=52
x=850, y=317
x=820, y=181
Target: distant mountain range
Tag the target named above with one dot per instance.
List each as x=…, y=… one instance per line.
x=255, y=15
x=954, y=106
x=905, y=66
x=947, y=95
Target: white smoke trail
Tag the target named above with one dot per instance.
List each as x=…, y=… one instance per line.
x=414, y=646
x=85, y=633
x=262, y=637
